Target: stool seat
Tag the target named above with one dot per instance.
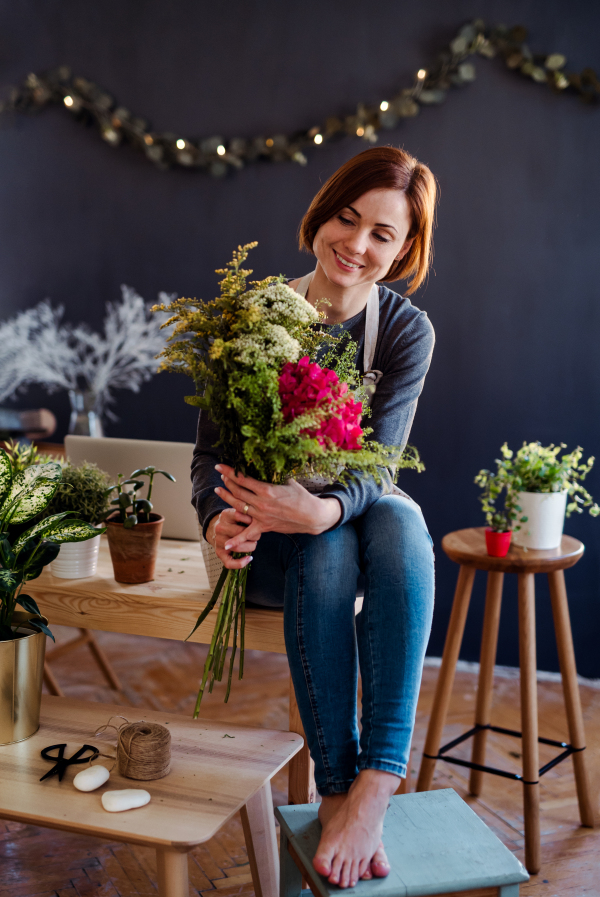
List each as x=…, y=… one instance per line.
x=467, y=547
x=435, y=844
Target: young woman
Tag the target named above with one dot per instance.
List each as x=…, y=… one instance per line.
x=370, y=223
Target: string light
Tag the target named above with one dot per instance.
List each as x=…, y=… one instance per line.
x=360, y=132
x=384, y=106
x=422, y=74
x=269, y=141
x=68, y=101
x=148, y=140
x=318, y=138
x=180, y=144
x=221, y=149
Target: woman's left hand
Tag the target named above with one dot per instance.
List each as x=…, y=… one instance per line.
x=282, y=509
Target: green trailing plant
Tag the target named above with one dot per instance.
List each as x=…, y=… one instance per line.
x=534, y=468
x=24, y=554
x=133, y=510
x=83, y=490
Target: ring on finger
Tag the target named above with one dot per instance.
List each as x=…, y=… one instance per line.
x=245, y=509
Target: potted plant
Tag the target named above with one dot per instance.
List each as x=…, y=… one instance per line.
x=500, y=523
x=133, y=529
x=24, y=552
x=84, y=492
x=539, y=483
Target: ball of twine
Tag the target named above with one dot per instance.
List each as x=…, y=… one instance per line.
x=144, y=751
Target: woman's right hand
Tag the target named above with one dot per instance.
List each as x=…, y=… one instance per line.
x=221, y=529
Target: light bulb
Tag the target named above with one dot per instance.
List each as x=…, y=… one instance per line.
x=148, y=140
x=68, y=101
x=360, y=132
x=422, y=74
x=180, y=144
x=318, y=138
x=269, y=141
x=384, y=106
x=221, y=150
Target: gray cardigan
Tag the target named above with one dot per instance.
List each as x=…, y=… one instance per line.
x=403, y=354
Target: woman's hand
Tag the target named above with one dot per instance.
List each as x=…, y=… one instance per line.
x=224, y=527
x=282, y=509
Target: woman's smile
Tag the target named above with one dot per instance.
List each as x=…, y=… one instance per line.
x=345, y=263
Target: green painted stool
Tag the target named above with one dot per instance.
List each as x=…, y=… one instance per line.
x=435, y=844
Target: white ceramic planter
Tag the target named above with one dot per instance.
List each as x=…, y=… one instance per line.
x=76, y=560
x=545, y=512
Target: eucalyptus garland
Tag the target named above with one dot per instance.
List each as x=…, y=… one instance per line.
x=90, y=104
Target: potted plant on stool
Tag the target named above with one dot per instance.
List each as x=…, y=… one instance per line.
x=23, y=554
x=83, y=491
x=500, y=523
x=133, y=529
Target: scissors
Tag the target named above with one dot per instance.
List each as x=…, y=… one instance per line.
x=62, y=762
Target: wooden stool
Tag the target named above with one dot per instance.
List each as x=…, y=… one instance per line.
x=435, y=844
x=467, y=548
x=216, y=770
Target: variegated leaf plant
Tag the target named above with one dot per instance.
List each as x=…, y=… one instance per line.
x=24, y=554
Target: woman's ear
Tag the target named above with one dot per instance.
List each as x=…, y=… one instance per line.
x=406, y=246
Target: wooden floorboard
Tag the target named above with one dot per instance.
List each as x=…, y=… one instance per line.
x=163, y=675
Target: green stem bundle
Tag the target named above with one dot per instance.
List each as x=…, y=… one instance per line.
x=231, y=614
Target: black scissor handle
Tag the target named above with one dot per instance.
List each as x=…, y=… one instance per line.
x=61, y=762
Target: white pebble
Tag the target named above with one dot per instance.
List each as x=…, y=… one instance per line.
x=91, y=778
x=128, y=799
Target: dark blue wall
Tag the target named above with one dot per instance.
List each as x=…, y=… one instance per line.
x=514, y=294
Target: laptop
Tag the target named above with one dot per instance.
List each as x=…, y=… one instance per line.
x=172, y=500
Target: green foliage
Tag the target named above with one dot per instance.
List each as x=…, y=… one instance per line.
x=534, y=468
x=133, y=510
x=22, y=455
x=234, y=347
x=23, y=555
x=82, y=490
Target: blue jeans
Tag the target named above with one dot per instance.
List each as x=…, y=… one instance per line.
x=315, y=579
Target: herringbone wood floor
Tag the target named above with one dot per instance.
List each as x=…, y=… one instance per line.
x=37, y=862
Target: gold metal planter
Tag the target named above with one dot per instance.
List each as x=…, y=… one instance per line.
x=21, y=675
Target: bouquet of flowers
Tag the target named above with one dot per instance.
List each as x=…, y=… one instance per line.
x=253, y=357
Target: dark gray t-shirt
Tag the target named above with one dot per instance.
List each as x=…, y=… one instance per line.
x=403, y=354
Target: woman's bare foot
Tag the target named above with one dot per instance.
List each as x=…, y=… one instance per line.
x=350, y=846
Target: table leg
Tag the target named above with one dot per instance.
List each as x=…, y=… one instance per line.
x=102, y=660
x=443, y=691
x=258, y=822
x=529, y=721
x=172, y=869
x=301, y=768
x=487, y=661
x=51, y=683
x=566, y=657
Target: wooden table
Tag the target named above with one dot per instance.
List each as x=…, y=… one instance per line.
x=211, y=778
x=168, y=607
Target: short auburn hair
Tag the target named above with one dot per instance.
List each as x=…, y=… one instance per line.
x=380, y=168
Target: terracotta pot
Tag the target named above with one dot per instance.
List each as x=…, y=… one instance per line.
x=497, y=543
x=133, y=551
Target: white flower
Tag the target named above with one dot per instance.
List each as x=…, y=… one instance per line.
x=273, y=345
x=280, y=304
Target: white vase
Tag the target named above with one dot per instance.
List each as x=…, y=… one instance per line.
x=545, y=512
x=76, y=560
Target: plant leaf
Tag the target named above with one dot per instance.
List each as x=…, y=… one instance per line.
x=74, y=531
x=28, y=603
x=39, y=529
x=7, y=555
x=130, y=521
x=5, y=474
x=169, y=476
x=37, y=624
x=31, y=491
x=8, y=581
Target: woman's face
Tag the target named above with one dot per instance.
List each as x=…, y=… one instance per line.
x=359, y=245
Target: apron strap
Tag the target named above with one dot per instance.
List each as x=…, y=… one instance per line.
x=370, y=377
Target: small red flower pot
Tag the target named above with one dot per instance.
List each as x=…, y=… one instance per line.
x=497, y=543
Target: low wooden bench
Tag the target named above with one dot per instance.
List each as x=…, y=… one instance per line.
x=216, y=770
x=435, y=843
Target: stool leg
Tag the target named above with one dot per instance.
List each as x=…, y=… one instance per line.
x=291, y=877
x=487, y=661
x=301, y=769
x=443, y=690
x=258, y=822
x=51, y=683
x=172, y=869
x=566, y=657
x=529, y=721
